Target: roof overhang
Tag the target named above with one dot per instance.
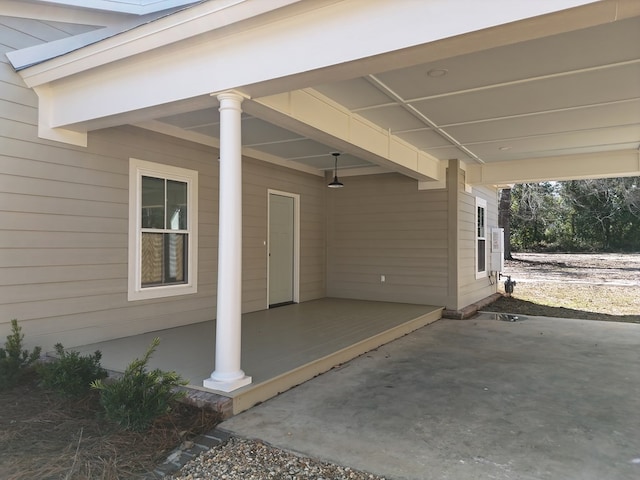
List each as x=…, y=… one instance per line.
x=275, y=50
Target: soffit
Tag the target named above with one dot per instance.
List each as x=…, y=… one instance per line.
x=577, y=92
x=568, y=93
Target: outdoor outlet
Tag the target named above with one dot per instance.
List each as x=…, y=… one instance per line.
x=382, y=278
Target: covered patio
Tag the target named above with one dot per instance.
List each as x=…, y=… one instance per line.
x=281, y=347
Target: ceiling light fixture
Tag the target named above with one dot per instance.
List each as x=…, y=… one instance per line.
x=437, y=72
x=336, y=183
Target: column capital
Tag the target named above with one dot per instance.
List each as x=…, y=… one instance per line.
x=233, y=95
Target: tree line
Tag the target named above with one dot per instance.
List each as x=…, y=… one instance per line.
x=572, y=216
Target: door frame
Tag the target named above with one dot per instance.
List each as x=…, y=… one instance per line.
x=296, y=241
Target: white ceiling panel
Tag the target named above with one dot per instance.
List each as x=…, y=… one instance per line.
x=297, y=149
x=559, y=144
x=196, y=118
x=603, y=45
x=424, y=138
x=553, y=93
x=587, y=118
x=257, y=132
x=354, y=94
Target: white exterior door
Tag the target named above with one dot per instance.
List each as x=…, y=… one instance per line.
x=282, y=254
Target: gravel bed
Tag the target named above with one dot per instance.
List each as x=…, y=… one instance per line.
x=240, y=459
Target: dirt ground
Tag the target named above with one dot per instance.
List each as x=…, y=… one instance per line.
x=603, y=286
x=45, y=436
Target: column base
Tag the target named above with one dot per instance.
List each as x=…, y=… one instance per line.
x=227, y=385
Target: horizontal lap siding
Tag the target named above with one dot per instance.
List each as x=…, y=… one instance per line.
x=383, y=225
x=258, y=178
x=64, y=235
x=64, y=225
x=470, y=289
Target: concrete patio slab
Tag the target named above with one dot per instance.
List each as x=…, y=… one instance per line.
x=537, y=398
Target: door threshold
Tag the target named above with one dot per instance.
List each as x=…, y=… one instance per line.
x=282, y=304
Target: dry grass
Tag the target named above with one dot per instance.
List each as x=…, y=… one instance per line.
x=591, y=287
x=44, y=436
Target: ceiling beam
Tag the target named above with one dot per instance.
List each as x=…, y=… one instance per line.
x=621, y=163
x=311, y=114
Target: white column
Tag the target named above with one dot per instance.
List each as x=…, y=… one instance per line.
x=228, y=375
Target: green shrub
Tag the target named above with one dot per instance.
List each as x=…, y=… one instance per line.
x=14, y=360
x=71, y=374
x=136, y=399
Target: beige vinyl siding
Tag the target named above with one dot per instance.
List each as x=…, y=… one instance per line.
x=470, y=289
x=383, y=225
x=258, y=178
x=67, y=253
x=64, y=224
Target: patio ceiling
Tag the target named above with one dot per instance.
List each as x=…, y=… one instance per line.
x=573, y=96
x=551, y=106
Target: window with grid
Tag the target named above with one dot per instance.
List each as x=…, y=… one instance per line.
x=481, y=238
x=163, y=209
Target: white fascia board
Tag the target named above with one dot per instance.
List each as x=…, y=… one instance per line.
x=133, y=71
x=607, y=164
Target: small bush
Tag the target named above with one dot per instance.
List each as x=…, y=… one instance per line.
x=136, y=399
x=14, y=360
x=71, y=374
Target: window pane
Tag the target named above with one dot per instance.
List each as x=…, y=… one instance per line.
x=480, y=222
x=175, y=258
x=164, y=259
x=176, y=205
x=151, y=268
x=482, y=256
x=152, y=202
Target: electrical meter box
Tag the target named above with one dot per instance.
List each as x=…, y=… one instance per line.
x=497, y=250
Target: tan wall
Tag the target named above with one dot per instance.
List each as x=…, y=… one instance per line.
x=64, y=223
x=382, y=225
x=470, y=289
x=258, y=178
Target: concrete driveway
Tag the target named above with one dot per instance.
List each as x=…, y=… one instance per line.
x=538, y=398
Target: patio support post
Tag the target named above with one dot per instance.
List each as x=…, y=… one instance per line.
x=228, y=375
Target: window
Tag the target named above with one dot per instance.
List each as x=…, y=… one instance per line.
x=163, y=219
x=481, y=238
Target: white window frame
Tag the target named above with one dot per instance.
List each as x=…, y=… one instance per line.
x=478, y=236
x=138, y=169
